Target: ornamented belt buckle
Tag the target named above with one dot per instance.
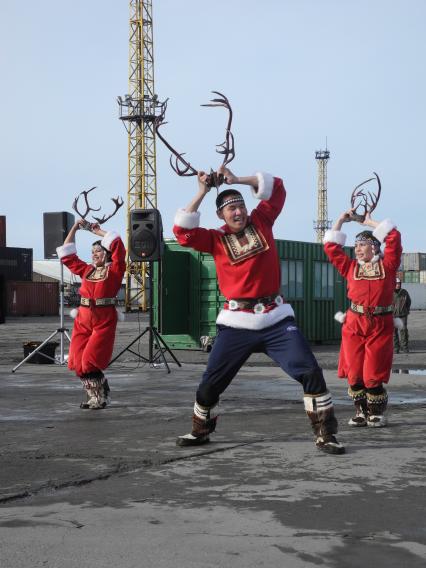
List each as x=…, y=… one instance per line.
x=233, y=305
x=259, y=308
x=279, y=300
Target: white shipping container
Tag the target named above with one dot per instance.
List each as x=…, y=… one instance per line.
x=414, y=261
x=422, y=276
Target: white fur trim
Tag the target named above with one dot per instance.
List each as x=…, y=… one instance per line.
x=340, y=317
x=121, y=316
x=398, y=323
x=73, y=313
x=247, y=320
x=108, y=239
x=265, y=185
x=186, y=219
x=66, y=250
x=337, y=237
x=383, y=228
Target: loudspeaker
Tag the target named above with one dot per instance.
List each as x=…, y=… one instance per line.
x=146, y=235
x=56, y=228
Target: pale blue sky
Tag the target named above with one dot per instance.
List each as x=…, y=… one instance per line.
x=295, y=71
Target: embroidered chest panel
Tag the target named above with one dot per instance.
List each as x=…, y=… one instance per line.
x=243, y=245
x=369, y=271
x=98, y=273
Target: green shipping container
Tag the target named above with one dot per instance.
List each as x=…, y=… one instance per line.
x=188, y=299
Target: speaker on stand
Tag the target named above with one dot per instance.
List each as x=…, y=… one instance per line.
x=146, y=245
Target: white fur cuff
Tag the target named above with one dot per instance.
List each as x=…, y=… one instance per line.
x=66, y=250
x=187, y=220
x=265, y=185
x=108, y=239
x=337, y=237
x=340, y=317
x=382, y=230
x=398, y=323
x=248, y=320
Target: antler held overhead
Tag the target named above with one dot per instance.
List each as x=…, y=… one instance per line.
x=364, y=199
x=118, y=201
x=181, y=166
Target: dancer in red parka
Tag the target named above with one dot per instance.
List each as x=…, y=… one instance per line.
x=92, y=340
x=367, y=332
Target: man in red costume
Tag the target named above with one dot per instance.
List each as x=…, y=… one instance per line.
x=255, y=317
x=92, y=340
x=367, y=333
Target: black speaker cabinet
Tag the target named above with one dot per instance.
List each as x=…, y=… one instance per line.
x=56, y=228
x=146, y=235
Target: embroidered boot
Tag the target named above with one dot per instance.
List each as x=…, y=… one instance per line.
x=203, y=423
x=96, y=391
x=320, y=411
x=376, y=405
x=359, y=396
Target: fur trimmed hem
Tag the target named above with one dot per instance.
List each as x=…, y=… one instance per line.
x=108, y=239
x=247, y=320
x=265, y=185
x=66, y=250
x=340, y=317
x=383, y=228
x=187, y=220
x=337, y=237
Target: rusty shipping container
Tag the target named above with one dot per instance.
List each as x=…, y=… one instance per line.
x=16, y=263
x=2, y=231
x=32, y=298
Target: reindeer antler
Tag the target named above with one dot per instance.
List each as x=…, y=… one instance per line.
x=187, y=169
x=227, y=147
x=88, y=208
x=366, y=200
x=181, y=166
x=118, y=202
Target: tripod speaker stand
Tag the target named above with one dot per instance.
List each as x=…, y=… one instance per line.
x=61, y=330
x=154, y=338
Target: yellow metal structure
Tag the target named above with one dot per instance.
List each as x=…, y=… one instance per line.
x=137, y=111
x=322, y=223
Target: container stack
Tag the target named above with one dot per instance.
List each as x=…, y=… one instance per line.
x=413, y=268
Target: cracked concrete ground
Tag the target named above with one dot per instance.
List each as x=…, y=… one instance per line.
x=110, y=488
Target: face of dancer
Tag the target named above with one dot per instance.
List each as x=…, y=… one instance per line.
x=234, y=215
x=98, y=256
x=397, y=285
x=364, y=251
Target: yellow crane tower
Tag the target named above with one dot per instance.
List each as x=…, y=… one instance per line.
x=138, y=110
x=322, y=223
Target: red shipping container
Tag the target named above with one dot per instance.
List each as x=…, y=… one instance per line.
x=2, y=231
x=32, y=298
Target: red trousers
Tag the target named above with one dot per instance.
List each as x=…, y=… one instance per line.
x=92, y=340
x=366, y=352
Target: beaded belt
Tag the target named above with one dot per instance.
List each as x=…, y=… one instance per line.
x=257, y=305
x=375, y=311
x=87, y=302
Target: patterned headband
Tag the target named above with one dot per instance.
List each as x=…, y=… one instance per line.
x=229, y=201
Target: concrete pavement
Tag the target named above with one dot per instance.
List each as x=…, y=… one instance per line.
x=110, y=488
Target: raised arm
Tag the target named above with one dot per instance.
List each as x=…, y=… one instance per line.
x=334, y=240
x=186, y=223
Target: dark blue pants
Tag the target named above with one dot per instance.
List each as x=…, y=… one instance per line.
x=282, y=342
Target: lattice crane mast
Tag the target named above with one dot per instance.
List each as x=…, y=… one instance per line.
x=138, y=110
x=322, y=223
